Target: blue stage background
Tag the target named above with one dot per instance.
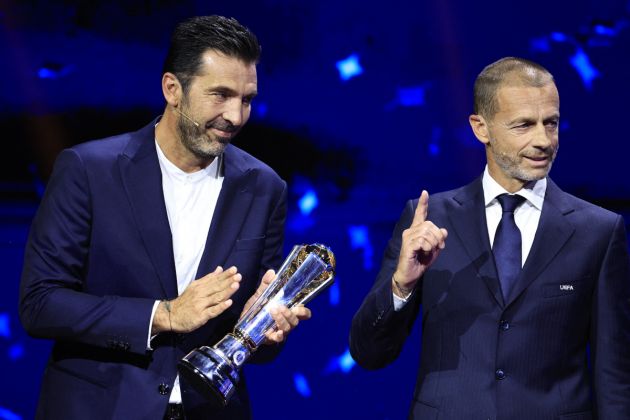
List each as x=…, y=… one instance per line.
x=361, y=107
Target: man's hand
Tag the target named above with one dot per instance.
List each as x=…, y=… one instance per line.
x=286, y=319
x=421, y=245
x=204, y=299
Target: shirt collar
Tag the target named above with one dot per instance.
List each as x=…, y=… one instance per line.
x=214, y=170
x=533, y=192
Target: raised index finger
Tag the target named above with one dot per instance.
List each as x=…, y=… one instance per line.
x=422, y=209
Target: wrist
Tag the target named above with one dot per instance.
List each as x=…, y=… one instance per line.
x=403, y=291
x=162, y=320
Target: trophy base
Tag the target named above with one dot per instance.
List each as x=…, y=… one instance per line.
x=210, y=373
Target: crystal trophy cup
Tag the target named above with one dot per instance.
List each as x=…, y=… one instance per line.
x=214, y=371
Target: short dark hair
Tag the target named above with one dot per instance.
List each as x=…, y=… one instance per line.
x=193, y=37
x=508, y=70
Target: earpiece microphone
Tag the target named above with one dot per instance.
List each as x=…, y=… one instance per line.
x=186, y=116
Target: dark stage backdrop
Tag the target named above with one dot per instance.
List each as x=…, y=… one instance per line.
x=361, y=107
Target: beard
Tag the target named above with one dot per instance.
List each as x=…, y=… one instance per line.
x=513, y=166
x=197, y=140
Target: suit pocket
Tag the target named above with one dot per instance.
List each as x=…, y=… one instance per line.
x=246, y=244
x=422, y=411
x=584, y=415
x=66, y=394
x=56, y=370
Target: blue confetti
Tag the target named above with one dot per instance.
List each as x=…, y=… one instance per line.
x=301, y=385
x=346, y=362
x=349, y=67
x=334, y=293
x=434, y=149
x=308, y=202
x=411, y=96
x=16, y=351
x=540, y=44
x=604, y=30
x=558, y=37
x=6, y=414
x=434, y=144
x=45, y=73
x=5, y=330
x=53, y=71
x=584, y=67
x=358, y=236
x=299, y=223
x=261, y=109
x=343, y=363
x=359, y=239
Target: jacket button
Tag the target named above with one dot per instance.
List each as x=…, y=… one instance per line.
x=163, y=388
x=504, y=325
x=499, y=374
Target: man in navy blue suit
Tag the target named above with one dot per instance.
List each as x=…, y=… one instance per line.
x=149, y=244
x=524, y=289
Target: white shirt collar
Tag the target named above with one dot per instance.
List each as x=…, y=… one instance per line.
x=214, y=170
x=533, y=192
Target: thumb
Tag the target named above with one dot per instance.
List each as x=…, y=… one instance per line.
x=268, y=278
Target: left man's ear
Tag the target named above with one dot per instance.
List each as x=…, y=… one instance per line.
x=171, y=89
x=479, y=127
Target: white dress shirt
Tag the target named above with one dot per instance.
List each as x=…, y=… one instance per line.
x=526, y=216
x=190, y=200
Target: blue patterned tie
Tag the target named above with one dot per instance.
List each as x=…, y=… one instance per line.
x=507, y=244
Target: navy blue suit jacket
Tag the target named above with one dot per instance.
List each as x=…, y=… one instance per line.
x=525, y=357
x=100, y=253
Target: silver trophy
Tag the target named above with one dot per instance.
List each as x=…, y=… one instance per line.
x=213, y=371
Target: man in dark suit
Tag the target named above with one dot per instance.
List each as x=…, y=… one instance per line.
x=127, y=223
x=524, y=289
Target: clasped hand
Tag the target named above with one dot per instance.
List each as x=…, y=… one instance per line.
x=210, y=296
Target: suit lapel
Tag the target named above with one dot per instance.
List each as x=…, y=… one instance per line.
x=468, y=219
x=142, y=179
x=552, y=233
x=231, y=210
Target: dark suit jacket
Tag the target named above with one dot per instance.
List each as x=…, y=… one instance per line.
x=524, y=358
x=99, y=255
